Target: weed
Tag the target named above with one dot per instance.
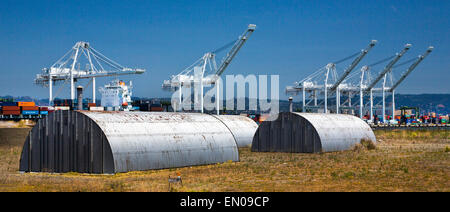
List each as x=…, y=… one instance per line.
x=425, y=161
x=364, y=144
x=349, y=175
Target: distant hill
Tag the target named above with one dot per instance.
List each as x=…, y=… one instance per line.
x=439, y=103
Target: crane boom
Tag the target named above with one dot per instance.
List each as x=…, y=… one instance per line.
x=389, y=66
x=239, y=43
x=64, y=68
x=411, y=68
x=353, y=64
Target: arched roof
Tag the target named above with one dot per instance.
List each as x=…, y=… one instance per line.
x=128, y=141
x=310, y=132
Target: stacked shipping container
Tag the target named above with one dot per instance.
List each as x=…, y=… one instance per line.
x=23, y=108
x=10, y=110
x=28, y=108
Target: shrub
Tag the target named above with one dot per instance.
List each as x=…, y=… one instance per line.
x=365, y=144
x=368, y=144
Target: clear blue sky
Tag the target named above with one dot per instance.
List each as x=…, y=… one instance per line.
x=293, y=38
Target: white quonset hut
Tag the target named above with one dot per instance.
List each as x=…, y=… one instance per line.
x=111, y=142
x=242, y=127
x=310, y=133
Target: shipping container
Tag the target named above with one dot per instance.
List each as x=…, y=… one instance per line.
x=144, y=107
x=92, y=104
x=43, y=108
x=43, y=112
x=96, y=108
x=62, y=108
x=30, y=108
x=30, y=112
x=11, y=108
x=11, y=112
x=159, y=109
x=9, y=103
x=26, y=104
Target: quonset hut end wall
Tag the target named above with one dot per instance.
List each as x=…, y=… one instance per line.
x=110, y=142
x=310, y=133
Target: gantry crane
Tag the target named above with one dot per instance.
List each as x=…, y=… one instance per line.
x=382, y=74
x=411, y=68
x=347, y=71
x=388, y=67
x=68, y=68
x=197, y=72
x=405, y=74
x=309, y=84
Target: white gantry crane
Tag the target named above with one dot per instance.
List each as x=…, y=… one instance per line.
x=382, y=75
x=205, y=71
x=68, y=68
x=404, y=75
x=360, y=82
x=313, y=83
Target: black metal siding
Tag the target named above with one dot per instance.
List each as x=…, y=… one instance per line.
x=66, y=141
x=287, y=133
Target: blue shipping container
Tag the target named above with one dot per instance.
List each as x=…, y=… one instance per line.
x=9, y=103
x=44, y=112
x=30, y=112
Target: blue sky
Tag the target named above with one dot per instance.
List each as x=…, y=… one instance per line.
x=293, y=38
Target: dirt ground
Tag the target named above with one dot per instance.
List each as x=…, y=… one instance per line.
x=401, y=161
x=17, y=124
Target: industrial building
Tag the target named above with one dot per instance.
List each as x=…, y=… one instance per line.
x=310, y=133
x=111, y=142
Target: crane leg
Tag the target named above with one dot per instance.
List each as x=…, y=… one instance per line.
x=371, y=105
x=393, y=105
x=180, y=100
x=361, y=103
x=384, y=107
x=201, y=96
x=50, y=86
x=217, y=97
x=337, y=100
x=304, y=99
x=93, y=90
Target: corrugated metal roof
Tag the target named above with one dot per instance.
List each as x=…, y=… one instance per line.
x=310, y=132
x=242, y=127
x=145, y=140
x=339, y=131
x=110, y=142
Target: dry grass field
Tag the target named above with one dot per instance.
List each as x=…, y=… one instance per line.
x=401, y=161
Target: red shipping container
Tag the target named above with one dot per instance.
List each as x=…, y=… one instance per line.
x=30, y=108
x=160, y=109
x=11, y=112
x=43, y=108
x=92, y=104
x=11, y=108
